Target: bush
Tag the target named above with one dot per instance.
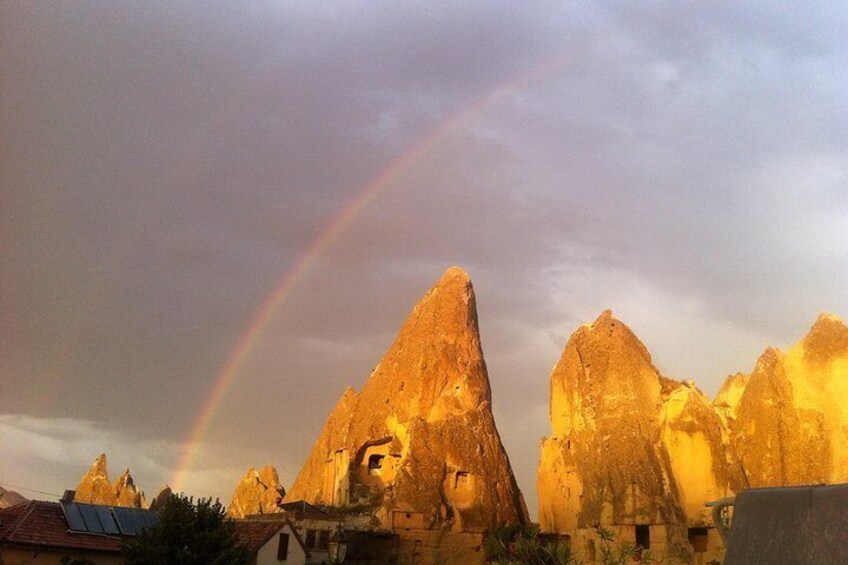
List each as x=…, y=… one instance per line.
x=188, y=534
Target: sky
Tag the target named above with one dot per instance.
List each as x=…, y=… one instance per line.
x=166, y=166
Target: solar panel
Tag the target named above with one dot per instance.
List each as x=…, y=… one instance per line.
x=73, y=516
x=106, y=520
x=132, y=520
x=92, y=522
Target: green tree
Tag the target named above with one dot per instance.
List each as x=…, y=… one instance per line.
x=188, y=534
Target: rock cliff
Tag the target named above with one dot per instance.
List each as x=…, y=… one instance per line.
x=95, y=488
x=258, y=492
x=791, y=425
x=630, y=449
x=418, y=446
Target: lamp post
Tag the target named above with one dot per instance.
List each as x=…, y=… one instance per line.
x=338, y=546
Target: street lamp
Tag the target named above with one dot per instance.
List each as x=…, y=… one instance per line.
x=338, y=546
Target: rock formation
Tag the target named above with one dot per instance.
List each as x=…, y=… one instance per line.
x=258, y=492
x=631, y=450
x=159, y=501
x=417, y=448
x=127, y=494
x=95, y=488
x=791, y=425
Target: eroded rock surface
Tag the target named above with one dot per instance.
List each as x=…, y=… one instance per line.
x=95, y=488
x=630, y=450
x=258, y=492
x=791, y=426
x=418, y=446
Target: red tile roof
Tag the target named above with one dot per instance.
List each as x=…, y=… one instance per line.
x=256, y=533
x=43, y=524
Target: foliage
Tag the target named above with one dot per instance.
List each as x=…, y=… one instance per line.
x=622, y=554
x=519, y=545
x=188, y=534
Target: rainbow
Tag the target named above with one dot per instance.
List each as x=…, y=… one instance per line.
x=335, y=227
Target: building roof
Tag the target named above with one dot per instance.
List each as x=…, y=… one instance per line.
x=255, y=533
x=791, y=525
x=302, y=509
x=43, y=524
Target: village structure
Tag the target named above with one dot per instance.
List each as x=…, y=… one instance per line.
x=411, y=468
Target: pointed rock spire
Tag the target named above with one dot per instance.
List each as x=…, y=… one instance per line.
x=127, y=494
x=161, y=499
x=94, y=487
x=258, y=492
x=419, y=441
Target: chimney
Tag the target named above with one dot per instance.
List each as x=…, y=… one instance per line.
x=68, y=496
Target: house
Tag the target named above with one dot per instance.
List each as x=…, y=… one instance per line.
x=271, y=542
x=38, y=532
x=789, y=525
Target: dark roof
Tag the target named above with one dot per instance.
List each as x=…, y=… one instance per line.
x=43, y=524
x=791, y=525
x=256, y=533
x=302, y=509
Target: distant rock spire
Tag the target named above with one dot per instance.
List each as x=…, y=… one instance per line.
x=95, y=488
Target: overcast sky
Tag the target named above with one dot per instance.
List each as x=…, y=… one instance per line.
x=165, y=164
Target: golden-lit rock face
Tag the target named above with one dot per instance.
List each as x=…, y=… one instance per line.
x=703, y=469
x=257, y=493
x=419, y=441
x=791, y=426
x=629, y=446
x=95, y=488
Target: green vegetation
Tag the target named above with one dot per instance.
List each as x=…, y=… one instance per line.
x=188, y=534
x=517, y=545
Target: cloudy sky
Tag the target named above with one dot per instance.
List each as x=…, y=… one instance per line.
x=165, y=165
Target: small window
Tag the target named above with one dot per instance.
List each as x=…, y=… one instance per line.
x=643, y=536
x=324, y=540
x=283, y=548
x=375, y=465
x=310, y=539
x=698, y=538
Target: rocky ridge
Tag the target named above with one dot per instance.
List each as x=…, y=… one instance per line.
x=95, y=488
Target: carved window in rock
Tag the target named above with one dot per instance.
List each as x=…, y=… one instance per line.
x=375, y=465
x=461, y=479
x=643, y=536
x=698, y=538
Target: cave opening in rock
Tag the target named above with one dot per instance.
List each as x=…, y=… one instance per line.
x=698, y=538
x=375, y=465
x=643, y=536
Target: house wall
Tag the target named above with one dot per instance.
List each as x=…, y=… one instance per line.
x=17, y=556
x=267, y=554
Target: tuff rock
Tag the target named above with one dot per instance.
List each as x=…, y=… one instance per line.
x=418, y=446
x=258, y=492
x=791, y=424
x=95, y=488
x=629, y=448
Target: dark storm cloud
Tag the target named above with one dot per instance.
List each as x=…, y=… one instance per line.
x=165, y=164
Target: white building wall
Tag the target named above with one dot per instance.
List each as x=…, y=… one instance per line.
x=268, y=553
